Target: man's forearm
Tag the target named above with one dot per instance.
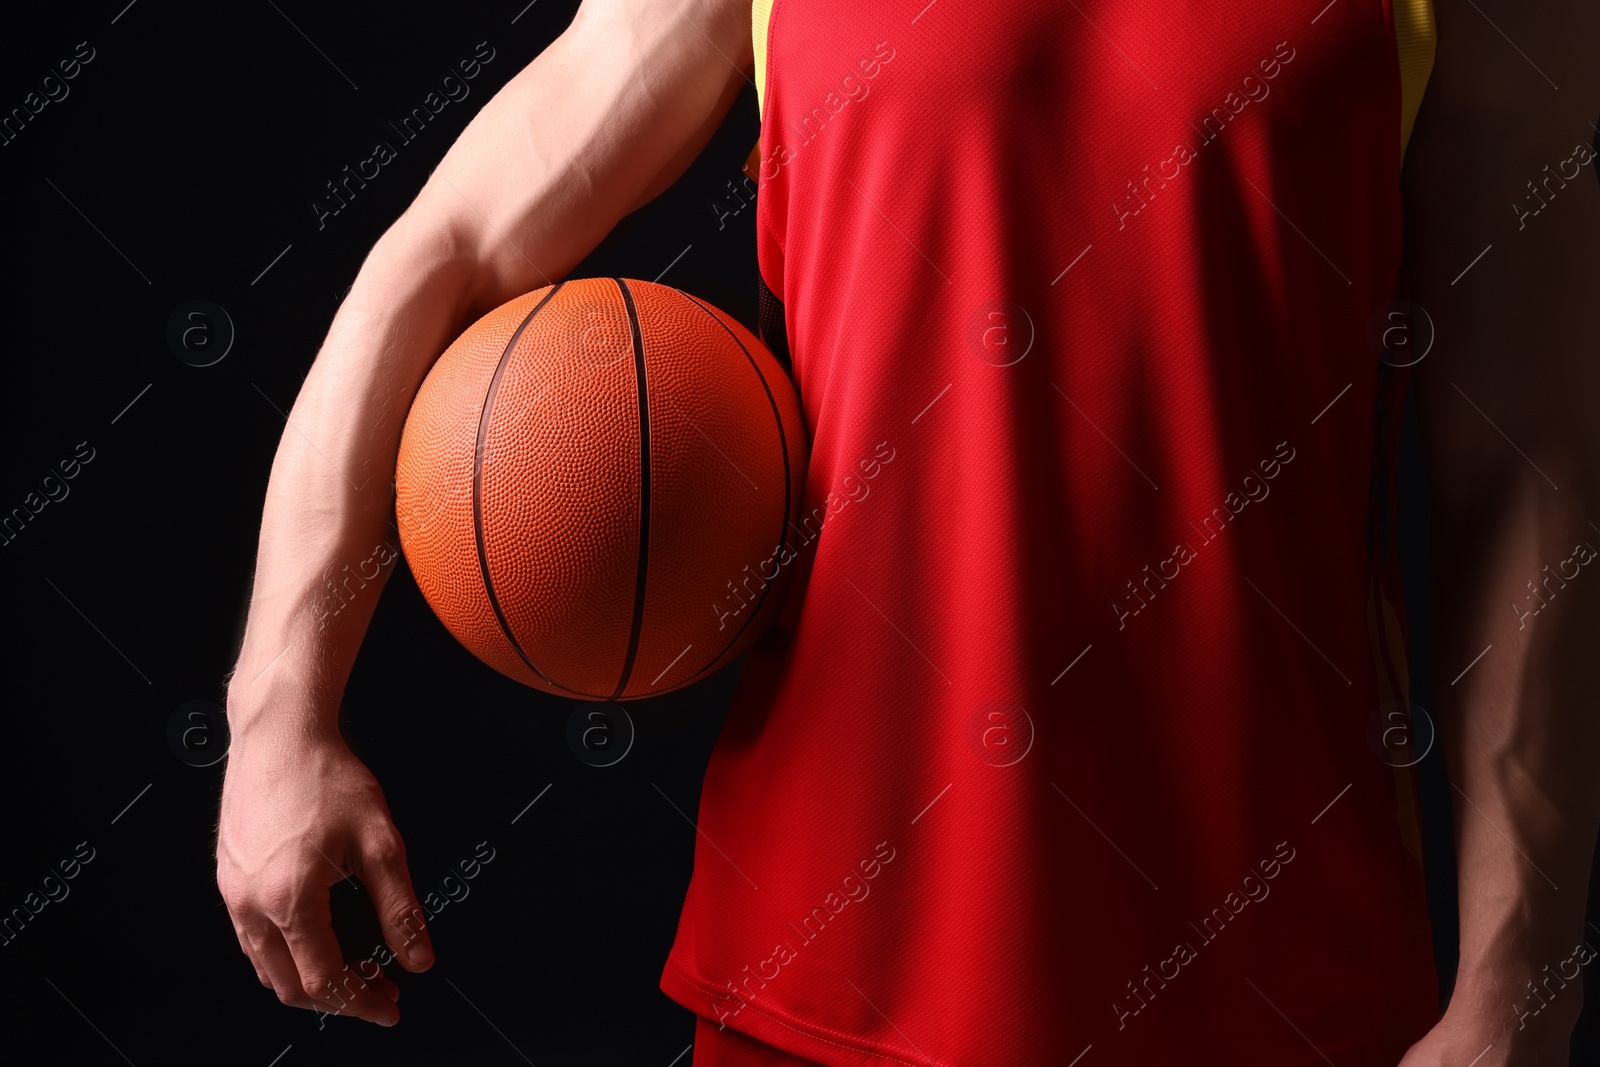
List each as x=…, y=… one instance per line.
x=1523, y=740
x=327, y=539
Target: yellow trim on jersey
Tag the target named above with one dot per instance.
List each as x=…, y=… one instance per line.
x=760, y=15
x=1414, y=38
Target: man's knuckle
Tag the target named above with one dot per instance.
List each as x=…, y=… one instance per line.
x=407, y=920
x=385, y=847
x=319, y=987
x=277, y=900
x=253, y=929
x=235, y=898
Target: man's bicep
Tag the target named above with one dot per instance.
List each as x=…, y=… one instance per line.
x=723, y=25
x=1502, y=207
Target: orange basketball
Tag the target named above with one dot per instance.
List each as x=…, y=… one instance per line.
x=594, y=487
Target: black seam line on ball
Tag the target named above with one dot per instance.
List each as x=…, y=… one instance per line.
x=477, y=491
x=783, y=531
x=644, y=490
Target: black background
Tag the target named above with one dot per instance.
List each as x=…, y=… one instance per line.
x=183, y=165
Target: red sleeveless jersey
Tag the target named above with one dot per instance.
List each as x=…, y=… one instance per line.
x=1070, y=745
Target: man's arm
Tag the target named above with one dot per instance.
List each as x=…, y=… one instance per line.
x=1500, y=166
x=602, y=120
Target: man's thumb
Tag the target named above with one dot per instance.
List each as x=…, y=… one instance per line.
x=383, y=870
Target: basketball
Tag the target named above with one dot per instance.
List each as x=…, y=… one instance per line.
x=594, y=485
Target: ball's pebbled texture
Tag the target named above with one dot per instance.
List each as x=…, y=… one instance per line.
x=594, y=484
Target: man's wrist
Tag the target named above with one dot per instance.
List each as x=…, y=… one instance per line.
x=1526, y=983
x=280, y=693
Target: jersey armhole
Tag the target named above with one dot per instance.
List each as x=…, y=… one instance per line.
x=1414, y=38
x=760, y=16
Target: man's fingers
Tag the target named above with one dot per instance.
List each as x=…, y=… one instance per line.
x=382, y=858
x=238, y=907
x=273, y=957
x=250, y=954
x=385, y=987
x=323, y=974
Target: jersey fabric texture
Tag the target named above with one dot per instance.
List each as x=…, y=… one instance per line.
x=1072, y=742
x=722, y=1046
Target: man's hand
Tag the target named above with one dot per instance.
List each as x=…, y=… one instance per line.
x=298, y=815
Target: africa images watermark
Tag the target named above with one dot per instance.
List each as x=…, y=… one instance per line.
x=853, y=489
x=452, y=88
x=1582, y=955
x=53, y=889
x=852, y=887
x=54, y=489
x=765, y=165
x=1251, y=888
x=53, y=89
x=1211, y=126
x=338, y=595
x=1254, y=489
x=358, y=974
x=1582, y=155
x=852, y=88
x=1583, y=553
